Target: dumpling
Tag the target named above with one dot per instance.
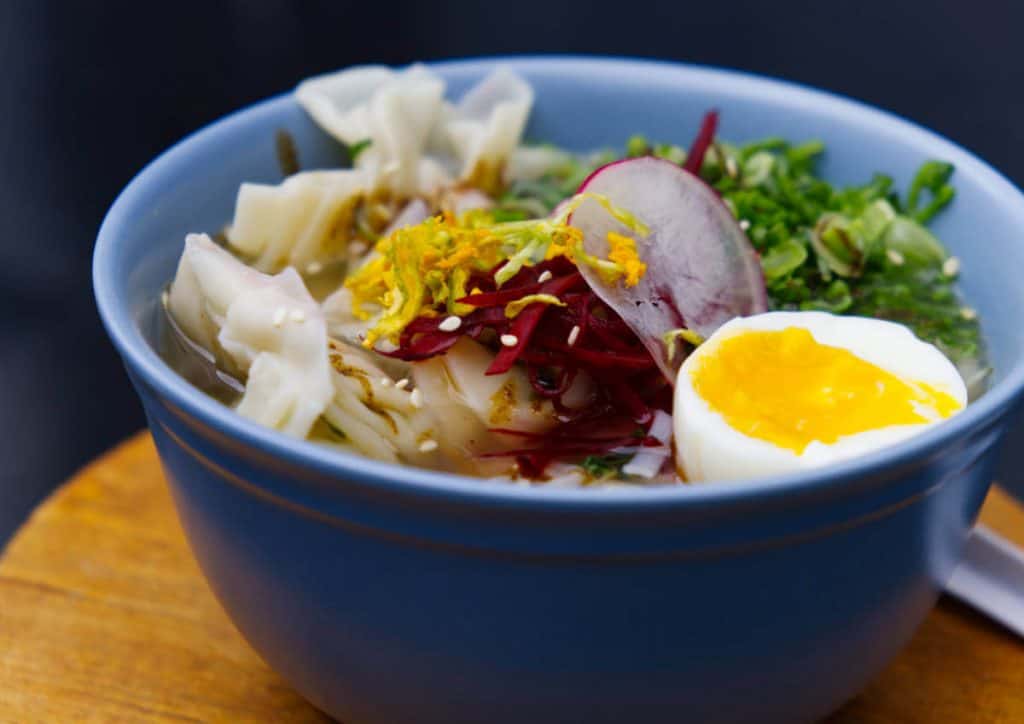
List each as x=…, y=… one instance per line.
x=270, y=332
x=375, y=416
x=397, y=111
x=469, y=402
x=207, y=281
x=304, y=221
x=267, y=328
x=487, y=126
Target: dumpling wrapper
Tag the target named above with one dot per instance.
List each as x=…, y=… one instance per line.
x=304, y=220
x=414, y=133
x=268, y=327
x=397, y=111
x=487, y=126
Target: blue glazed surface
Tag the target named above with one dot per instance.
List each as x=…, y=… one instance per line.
x=388, y=594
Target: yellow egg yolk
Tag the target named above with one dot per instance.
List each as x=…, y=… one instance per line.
x=786, y=388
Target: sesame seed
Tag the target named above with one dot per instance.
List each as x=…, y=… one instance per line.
x=385, y=381
x=574, y=334
x=279, y=314
x=390, y=168
x=509, y=340
x=314, y=267
x=402, y=383
x=298, y=315
x=416, y=398
x=428, y=446
x=545, y=276
x=358, y=248
x=895, y=257
x=450, y=324
x=744, y=224
x=730, y=167
x=968, y=313
x=951, y=267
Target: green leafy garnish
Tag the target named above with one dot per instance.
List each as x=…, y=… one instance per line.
x=933, y=176
x=853, y=250
x=605, y=466
x=357, y=148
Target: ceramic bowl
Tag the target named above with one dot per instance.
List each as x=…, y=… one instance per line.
x=389, y=594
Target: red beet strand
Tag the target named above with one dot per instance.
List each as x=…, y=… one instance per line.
x=699, y=147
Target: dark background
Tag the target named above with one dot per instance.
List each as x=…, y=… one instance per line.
x=91, y=91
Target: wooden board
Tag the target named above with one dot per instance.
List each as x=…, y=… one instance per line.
x=104, y=616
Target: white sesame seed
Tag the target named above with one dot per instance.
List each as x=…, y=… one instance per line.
x=545, y=276
x=385, y=381
x=390, y=168
x=314, y=267
x=450, y=324
x=744, y=224
x=509, y=340
x=968, y=313
x=951, y=267
x=574, y=334
x=402, y=383
x=298, y=315
x=895, y=257
x=279, y=314
x=428, y=446
x=730, y=166
x=357, y=248
x=416, y=398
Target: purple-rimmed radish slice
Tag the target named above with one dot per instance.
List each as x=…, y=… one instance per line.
x=701, y=269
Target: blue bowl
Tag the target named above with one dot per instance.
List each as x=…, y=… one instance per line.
x=390, y=594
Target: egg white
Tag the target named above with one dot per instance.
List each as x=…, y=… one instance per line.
x=709, y=449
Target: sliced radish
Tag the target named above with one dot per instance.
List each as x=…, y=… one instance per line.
x=701, y=269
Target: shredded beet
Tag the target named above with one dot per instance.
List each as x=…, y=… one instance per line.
x=626, y=384
x=703, y=141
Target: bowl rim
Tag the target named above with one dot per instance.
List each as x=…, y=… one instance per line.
x=407, y=481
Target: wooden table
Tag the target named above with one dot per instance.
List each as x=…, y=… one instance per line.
x=104, y=616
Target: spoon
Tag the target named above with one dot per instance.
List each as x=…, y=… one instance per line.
x=990, y=578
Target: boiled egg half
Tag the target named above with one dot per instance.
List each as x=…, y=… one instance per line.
x=785, y=391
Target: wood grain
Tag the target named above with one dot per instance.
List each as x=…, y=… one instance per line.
x=104, y=616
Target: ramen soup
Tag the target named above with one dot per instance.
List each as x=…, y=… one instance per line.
x=458, y=299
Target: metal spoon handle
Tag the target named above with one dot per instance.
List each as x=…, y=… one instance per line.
x=990, y=578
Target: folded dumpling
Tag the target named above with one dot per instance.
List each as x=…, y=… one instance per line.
x=266, y=328
x=305, y=221
x=487, y=126
x=377, y=416
x=397, y=111
x=270, y=332
x=469, y=402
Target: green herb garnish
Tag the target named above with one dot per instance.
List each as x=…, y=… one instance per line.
x=358, y=147
x=853, y=250
x=605, y=466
